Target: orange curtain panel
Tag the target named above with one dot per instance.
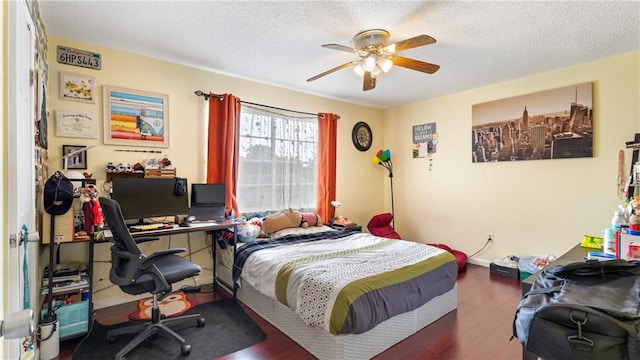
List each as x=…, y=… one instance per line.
x=222, y=146
x=327, y=134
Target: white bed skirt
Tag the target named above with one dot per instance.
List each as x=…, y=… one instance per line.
x=324, y=345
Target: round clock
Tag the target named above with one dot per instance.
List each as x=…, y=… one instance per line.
x=362, y=136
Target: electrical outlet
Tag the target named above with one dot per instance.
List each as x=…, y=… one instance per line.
x=490, y=238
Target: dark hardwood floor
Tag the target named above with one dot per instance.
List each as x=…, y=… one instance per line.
x=479, y=329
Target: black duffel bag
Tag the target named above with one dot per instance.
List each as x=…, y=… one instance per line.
x=583, y=310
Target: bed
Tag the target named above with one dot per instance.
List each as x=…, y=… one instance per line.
x=342, y=294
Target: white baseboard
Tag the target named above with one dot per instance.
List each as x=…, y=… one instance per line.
x=125, y=298
x=481, y=262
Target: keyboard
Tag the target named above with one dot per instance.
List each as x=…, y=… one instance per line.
x=149, y=227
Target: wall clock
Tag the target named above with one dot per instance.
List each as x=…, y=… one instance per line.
x=362, y=136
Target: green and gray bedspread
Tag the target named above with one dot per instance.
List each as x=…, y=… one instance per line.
x=346, y=282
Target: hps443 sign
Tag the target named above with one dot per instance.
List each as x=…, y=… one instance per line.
x=77, y=57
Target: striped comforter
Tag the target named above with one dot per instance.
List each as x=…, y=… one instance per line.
x=343, y=281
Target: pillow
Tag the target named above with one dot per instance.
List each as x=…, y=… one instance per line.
x=284, y=220
x=310, y=219
x=300, y=231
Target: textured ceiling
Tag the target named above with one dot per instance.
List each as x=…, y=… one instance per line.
x=279, y=43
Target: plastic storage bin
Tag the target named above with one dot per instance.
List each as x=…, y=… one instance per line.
x=524, y=275
x=73, y=319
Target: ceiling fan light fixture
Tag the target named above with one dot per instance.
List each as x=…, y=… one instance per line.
x=376, y=71
x=375, y=56
x=385, y=64
x=369, y=63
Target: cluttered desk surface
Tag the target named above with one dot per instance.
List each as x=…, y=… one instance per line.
x=575, y=254
x=173, y=229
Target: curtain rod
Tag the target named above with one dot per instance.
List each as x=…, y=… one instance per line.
x=207, y=96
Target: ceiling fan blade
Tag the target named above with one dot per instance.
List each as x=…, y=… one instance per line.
x=369, y=81
x=414, y=64
x=410, y=43
x=332, y=70
x=340, y=47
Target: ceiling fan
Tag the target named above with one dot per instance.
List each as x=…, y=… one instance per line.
x=378, y=56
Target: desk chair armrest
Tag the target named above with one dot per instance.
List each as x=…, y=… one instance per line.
x=145, y=239
x=149, y=260
x=162, y=286
x=164, y=252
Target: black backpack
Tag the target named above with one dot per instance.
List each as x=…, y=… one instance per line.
x=583, y=310
x=58, y=194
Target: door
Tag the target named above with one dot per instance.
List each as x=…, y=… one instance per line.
x=21, y=164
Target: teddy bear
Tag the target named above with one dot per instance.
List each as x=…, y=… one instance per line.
x=247, y=232
x=310, y=219
x=110, y=167
x=91, y=209
x=283, y=220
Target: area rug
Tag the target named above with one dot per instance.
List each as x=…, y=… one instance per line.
x=174, y=304
x=228, y=329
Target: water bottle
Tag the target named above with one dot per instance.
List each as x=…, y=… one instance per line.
x=609, y=242
x=617, y=220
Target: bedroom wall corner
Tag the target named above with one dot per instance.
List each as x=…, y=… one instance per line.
x=531, y=207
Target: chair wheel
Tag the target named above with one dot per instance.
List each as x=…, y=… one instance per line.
x=112, y=338
x=185, y=350
x=201, y=322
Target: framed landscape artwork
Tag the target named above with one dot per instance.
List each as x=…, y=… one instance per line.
x=135, y=117
x=552, y=124
x=76, y=87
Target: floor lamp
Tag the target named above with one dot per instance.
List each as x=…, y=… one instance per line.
x=383, y=158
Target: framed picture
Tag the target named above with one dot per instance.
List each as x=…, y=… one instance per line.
x=77, y=159
x=76, y=87
x=551, y=124
x=76, y=124
x=135, y=118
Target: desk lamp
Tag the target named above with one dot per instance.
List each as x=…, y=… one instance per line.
x=74, y=176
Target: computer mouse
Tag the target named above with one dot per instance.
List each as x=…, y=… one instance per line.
x=190, y=218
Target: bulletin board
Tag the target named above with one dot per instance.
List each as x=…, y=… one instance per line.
x=425, y=139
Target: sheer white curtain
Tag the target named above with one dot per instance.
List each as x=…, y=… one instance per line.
x=278, y=155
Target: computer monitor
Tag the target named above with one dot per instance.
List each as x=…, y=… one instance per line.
x=208, y=194
x=141, y=198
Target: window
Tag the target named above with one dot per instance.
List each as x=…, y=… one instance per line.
x=277, y=166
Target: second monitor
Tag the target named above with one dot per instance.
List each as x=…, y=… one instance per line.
x=142, y=198
x=208, y=202
x=209, y=194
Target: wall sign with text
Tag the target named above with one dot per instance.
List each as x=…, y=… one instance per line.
x=424, y=139
x=77, y=57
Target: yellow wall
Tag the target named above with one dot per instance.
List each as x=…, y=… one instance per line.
x=357, y=180
x=531, y=207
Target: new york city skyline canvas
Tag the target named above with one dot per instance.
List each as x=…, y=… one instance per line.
x=551, y=124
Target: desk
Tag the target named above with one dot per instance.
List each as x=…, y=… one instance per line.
x=176, y=229
x=576, y=254
x=106, y=236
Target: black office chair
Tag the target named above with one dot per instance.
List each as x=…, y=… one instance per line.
x=136, y=273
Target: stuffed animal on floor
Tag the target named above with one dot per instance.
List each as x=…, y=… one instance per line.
x=284, y=220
